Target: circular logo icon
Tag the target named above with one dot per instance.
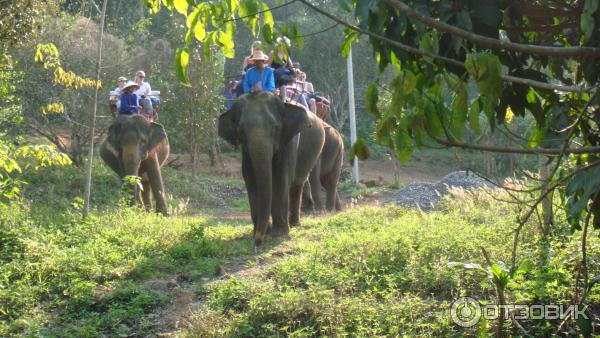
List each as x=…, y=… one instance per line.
x=465, y=311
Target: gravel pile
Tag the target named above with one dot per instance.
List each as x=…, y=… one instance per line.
x=426, y=195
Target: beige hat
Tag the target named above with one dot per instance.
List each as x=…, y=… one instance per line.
x=131, y=84
x=259, y=55
x=122, y=78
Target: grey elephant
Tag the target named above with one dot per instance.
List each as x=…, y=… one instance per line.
x=136, y=147
x=326, y=174
x=280, y=144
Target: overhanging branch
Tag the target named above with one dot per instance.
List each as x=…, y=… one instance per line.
x=511, y=150
x=494, y=43
x=407, y=48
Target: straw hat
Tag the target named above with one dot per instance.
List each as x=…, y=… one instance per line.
x=259, y=55
x=131, y=84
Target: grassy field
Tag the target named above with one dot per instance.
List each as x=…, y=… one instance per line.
x=369, y=271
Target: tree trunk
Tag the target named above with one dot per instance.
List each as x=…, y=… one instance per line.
x=547, y=212
x=88, y=181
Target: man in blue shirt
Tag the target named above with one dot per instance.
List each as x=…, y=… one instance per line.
x=129, y=101
x=260, y=77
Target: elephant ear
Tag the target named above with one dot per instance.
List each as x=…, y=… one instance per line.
x=228, y=125
x=113, y=134
x=157, y=135
x=295, y=119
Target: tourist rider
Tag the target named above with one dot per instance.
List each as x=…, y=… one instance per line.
x=143, y=92
x=260, y=77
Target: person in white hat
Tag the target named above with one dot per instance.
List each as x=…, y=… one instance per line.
x=260, y=77
x=129, y=101
x=248, y=62
x=116, y=93
x=143, y=92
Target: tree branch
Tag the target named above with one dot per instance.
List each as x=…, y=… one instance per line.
x=412, y=50
x=509, y=150
x=494, y=43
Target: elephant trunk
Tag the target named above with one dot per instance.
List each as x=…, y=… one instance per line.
x=131, y=165
x=261, y=157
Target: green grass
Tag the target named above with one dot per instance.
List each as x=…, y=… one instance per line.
x=364, y=272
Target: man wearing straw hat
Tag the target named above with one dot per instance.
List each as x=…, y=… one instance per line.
x=260, y=77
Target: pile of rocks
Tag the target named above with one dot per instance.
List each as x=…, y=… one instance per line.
x=427, y=195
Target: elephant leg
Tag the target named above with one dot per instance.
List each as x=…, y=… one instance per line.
x=146, y=195
x=315, y=186
x=307, y=200
x=338, y=204
x=280, y=204
x=156, y=182
x=248, y=174
x=330, y=182
x=295, y=200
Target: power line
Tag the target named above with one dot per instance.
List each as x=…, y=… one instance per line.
x=319, y=32
x=262, y=11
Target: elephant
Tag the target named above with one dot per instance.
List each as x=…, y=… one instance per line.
x=326, y=173
x=280, y=144
x=137, y=147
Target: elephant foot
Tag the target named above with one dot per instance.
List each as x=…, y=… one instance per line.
x=258, y=241
x=278, y=232
x=295, y=224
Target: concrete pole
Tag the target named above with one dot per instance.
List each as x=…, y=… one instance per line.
x=352, y=114
x=92, y=126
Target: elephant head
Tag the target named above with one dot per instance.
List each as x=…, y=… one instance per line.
x=136, y=147
x=264, y=126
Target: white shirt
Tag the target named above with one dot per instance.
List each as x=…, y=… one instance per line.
x=304, y=87
x=144, y=90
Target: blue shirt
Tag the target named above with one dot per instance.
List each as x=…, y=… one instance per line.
x=265, y=76
x=129, y=104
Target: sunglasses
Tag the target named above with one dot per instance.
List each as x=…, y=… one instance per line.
x=141, y=76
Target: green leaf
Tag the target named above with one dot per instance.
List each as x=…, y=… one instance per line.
x=409, y=82
x=350, y=36
x=267, y=34
x=395, y=62
x=486, y=70
x=433, y=125
x=182, y=57
x=403, y=145
x=206, y=48
x=587, y=26
x=537, y=138
x=169, y=4
x=384, y=131
x=359, y=149
x=372, y=97
x=488, y=109
x=501, y=274
x=459, y=110
x=267, y=16
x=181, y=6
x=153, y=5
x=429, y=42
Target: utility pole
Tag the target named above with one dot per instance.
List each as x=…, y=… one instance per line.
x=352, y=113
x=92, y=125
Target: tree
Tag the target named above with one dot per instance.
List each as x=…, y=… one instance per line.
x=536, y=59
